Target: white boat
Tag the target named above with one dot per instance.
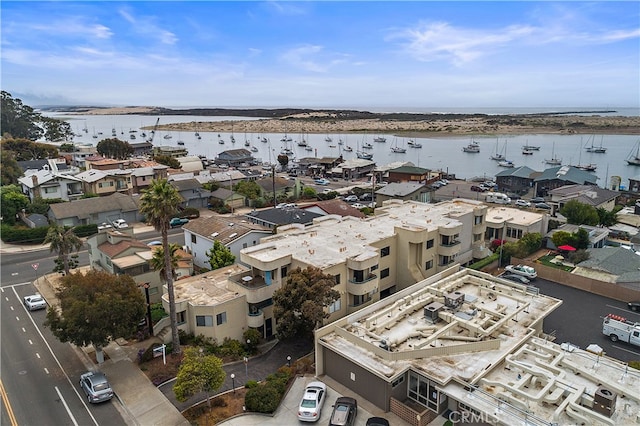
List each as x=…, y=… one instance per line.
x=527, y=152
x=367, y=145
x=167, y=136
x=221, y=141
x=328, y=139
x=348, y=148
x=499, y=156
x=302, y=142
x=472, y=148
x=634, y=158
x=247, y=143
x=397, y=149
x=264, y=140
x=553, y=161
x=416, y=145
x=379, y=139
x=364, y=155
x=596, y=149
x=233, y=140
x=254, y=149
x=308, y=148
x=528, y=147
x=506, y=163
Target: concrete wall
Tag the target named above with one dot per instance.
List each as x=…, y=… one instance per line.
x=591, y=285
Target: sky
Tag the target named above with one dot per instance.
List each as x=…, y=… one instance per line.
x=322, y=54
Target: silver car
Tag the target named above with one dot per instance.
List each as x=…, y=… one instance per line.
x=34, y=302
x=96, y=387
x=312, y=402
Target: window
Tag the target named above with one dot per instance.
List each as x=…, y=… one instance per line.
x=221, y=318
x=423, y=391
x=337, y=278
x=477, y=237
x=385, y=251
x=430, y=244
x=359, y=300
x=514, y=233
x=204, y=321
x=283, y=272
x=429, y=264
x=50, y=190
x=477, y=220
x=397, y=381
x=384, y=273
x=335, y=306
x=193, y=238
x=181, y=317
x=374, y=268
x=244, y=245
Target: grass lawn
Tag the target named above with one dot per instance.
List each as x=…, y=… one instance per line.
x=546, y=261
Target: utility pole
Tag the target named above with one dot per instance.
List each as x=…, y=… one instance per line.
x=273, y=178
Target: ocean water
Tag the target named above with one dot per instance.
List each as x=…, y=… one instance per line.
x=436, y=153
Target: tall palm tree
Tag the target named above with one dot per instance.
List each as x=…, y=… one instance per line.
x=157, y=261
x=159, y=203
x=63, y=241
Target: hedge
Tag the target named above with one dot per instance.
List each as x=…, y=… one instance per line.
x=85, y=230
x=22, y=235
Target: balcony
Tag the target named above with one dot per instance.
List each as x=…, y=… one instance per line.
x=364, y=286
x=255, y=319
x=254, y=287
x=449, y=249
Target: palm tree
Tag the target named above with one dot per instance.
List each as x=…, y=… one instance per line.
x=157, y=261
x=63, y=241
x=159, y=203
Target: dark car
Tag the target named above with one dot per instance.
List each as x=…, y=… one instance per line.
x=476, y=188
x=634, y=306
x=344, y=412
x=377, y=421
x=537, y=200
x=543, y=206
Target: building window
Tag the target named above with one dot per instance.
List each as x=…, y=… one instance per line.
x=335, y=306
x=429, y=264
x=204, y=320
x=477, y=237
x=221, y=318
x=181, y=317
x=514, y=233
x=337, y=278
x=477, y=220
x=374, y=268
x=283, y=272
x=244, y=245
x=193, y=238
x=397, y=381
x=430, y=244
x=385, y=251
x=50, y=190
x=423, y=391
x=359, y=300
x=384, y=273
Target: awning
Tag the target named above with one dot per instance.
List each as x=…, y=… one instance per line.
x=566, y=247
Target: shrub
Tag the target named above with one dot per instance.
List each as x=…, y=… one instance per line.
x=262, y=399
x=484, y=262
x=23, y=235
x=85, y=230
x=190, y=212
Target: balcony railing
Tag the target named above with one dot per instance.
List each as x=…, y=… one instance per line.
x=449, y=243
x=248, y=281
x=365, y=280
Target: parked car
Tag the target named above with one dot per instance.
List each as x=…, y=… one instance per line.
x=543, y=206
x=322, y=181
x=476, y=188
x=154, y=243
x=436, y=185
x=526, y=271
x=535, y=200
x=104, y=225
x=344, y=412
x=177, y=221
x=34, y=302
x=312, y=401
x=96, y=387
x=358, y=205
x=366, y=196
x=120, y=224
x=351, y=198
x=522, y=203
x=520, y=279
x=634, y=306
x=377, y=421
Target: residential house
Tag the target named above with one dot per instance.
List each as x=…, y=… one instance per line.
x=312, y=166
x=597, y=235
x=106, y=182
x=405, y=191
x=283, y=188
x=190, y=163
x=228, y=198
x=333, y=207
x=234, y=232
x=191, y=192
x=356, y=168
x=634, y=184
x=119, y=252
x=469, y=347
x=170, y=151
x=591, y=195
x=141, y=148
x=412, y=174
x=49, y=185
x=511, y=224
x=274, y=217
x=517, y=180
x=142, y=177
x=381, y=172
x=95, y=210
x=235, y=157
x=555, y=177
x=612, y=264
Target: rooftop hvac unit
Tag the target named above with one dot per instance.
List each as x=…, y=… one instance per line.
x=604, y=401
x=431, y=311
x=453, y=300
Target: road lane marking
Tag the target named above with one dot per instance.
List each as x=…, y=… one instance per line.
x=7, y=405
x=11, y=307
x=24, y=330
x=30, y=342
x=46, y=370
x=38, y=355
x=73, y=388
x=626, y=350
x=14, y=274
x=73, y=419
x=17, y=318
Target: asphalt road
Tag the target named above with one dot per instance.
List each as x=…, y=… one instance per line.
x=579, y=319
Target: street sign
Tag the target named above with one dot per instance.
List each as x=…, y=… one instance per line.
x=35, y=266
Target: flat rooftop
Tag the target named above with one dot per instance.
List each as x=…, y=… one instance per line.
x=500, y=215
x=208, y=289
x=332, y=239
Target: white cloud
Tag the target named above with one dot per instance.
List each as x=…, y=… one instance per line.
x=313, y=58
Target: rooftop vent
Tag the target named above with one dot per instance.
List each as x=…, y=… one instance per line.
x=215, y=234
x=453, y=300
x=604, y=401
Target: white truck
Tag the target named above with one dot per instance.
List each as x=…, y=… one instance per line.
x=497, y=197
x=620, y=329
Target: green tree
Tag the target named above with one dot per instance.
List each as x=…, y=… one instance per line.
x=67, y=147
x=159, y=203
x=25, y=149
x=95, y=308
x=561, y=238
x=158, y=264
x=10, y=171
x=309, y=192
x=211, y=186
x=114, y=148
x=220, y=256
x=249, y=189
x=56, y=130
x=283, y=160
x=18, y=120
x=578, y=213
x=198, y=373
x=168, y=161
x=580, y=239
x=12, y=201
x=608, y=217
x=64, y=241
x=531, y=242
x=299, y=305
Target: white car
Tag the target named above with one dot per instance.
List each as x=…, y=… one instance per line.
x=312, y=401
x=351, y=198
x=34, y=302
x=103, y=226
x=522, y=203
x=526, y=271
x=358, y=205
x=120, y=224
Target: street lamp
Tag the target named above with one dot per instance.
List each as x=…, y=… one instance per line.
x=246, y=367
x=231, y=189
x=288, y=360
x=233, y=381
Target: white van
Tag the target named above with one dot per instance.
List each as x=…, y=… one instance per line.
x=497, y=197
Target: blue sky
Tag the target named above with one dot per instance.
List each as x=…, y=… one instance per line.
x=382, y=54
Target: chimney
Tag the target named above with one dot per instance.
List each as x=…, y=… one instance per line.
x=34, y=180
